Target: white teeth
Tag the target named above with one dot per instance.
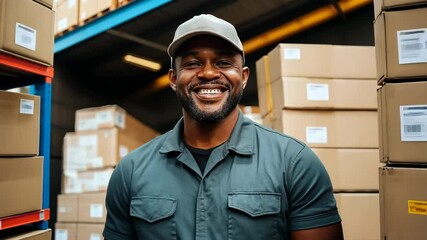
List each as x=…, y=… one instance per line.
x=209, y=91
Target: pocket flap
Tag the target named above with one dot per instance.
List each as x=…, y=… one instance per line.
x=152, y=209
x=255, y=204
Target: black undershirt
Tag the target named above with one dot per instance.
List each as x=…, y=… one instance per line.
x=201, y=156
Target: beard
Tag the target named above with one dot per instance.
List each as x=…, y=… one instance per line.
x=210, y=117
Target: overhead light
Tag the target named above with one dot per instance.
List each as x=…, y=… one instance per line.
x=142, y=62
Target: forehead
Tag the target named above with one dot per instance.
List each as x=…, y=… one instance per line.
x=216, y=44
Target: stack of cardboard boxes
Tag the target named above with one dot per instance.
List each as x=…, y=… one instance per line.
x=27, y=33
x=401, y=47
x=325, y=96
x=73, y=13
x=103, y=135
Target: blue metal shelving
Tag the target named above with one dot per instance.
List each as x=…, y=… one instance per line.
x=108, y=21
x=39, y=78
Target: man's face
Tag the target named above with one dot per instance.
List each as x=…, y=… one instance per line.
x=209, y=78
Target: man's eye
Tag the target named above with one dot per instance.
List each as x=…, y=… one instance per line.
x=191, y=64
x=224, y=63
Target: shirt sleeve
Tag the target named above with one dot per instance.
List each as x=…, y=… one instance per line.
x=311, y=200
x=119, y=224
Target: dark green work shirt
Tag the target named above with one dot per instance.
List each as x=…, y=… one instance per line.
x=260, y=184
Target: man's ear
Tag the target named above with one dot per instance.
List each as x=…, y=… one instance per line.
x=172, y=79
x=245, y=76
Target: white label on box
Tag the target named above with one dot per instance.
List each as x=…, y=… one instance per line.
x=62, y=24
x=123, y=151
x=97, y=161
x=91, y=186
x=292, y=53
x=71, y=3
x=88, y=141
x=317, y=92
x=120, y=120
x=102, y=178
x=95, y=236
x=71, y=173
x=86, y=124
x=75, y=155
x=61, y=234
x=62, y=209
x=104, y=117
x=26, y=106
x=413, y=123
x=412, y=46
x=316, y=134
x=74, y=186
x=25, y=36
x=96, y=210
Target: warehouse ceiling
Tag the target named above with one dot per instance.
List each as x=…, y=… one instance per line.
x=97, y=65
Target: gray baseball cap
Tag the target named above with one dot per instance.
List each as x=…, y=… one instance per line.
x=205, y=24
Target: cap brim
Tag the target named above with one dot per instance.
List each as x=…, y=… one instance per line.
x=175, y=45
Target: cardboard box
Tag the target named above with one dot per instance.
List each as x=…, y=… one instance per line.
x=351, y=170
x=67, y=208
x=103, y=5
x=87, y=9
x=360, y=214
x=110, y=116
x=380, y=5
x=399, y=43
x=86, y=181
x=92, y=208
x=96, y=149
x=27, y=29
x=403, y=201
x=330, y=129
x=31, y=235
x=265, y=99
x=67, y=15
x=403, y=122
x=19, y=124
x=21, y=180
x=322, y=61
x=89, y=231
x=66, y=231
x=324, y=93
x=47, y=3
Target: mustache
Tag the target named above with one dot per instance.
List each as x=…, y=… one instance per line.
x=216, y=82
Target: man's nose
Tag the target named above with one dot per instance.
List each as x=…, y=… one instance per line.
x=209, y=72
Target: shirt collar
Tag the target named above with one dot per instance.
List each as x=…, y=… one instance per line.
x=241, y=139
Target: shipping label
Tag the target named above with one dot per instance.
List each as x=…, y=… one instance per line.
x=292, y=53
x=413, y=123
x=317, y=92
x=316, y=134
x=412, y=46
x=25, y=36
x=26, y=106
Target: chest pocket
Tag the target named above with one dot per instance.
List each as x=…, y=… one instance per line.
x=254, y=215
x=153, y=217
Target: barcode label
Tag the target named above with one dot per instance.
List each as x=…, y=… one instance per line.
x=316, y=134
x=25, y=36
x=413, y=123
x=26, y=106
x=412, y=46
x=317, y=92
x=292, y=53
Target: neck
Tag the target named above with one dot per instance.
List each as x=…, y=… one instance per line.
x=208, y=135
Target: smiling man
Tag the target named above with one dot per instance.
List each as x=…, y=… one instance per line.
x=217, y=174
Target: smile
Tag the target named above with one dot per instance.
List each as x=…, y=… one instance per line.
x=209, y=91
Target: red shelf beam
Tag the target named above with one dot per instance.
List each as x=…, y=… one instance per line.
x=26, y=218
